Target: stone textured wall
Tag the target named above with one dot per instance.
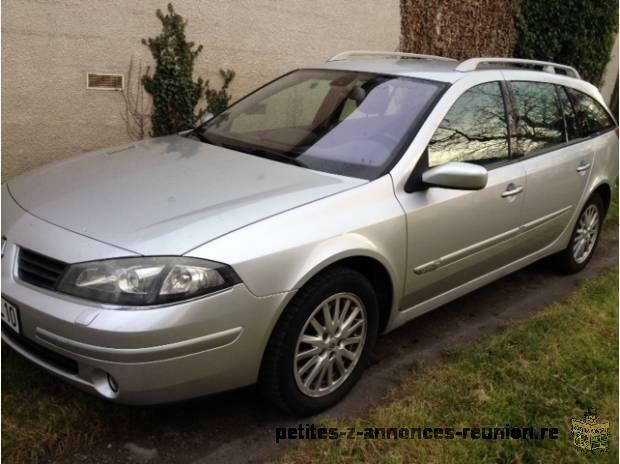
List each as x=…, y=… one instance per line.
x=48, y=46
x=459, y=28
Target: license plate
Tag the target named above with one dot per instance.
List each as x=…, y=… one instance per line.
x=10, y=315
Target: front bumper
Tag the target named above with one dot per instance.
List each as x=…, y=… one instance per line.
x=143, y=356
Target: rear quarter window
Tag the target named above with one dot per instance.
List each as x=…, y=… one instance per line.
x=592, y=117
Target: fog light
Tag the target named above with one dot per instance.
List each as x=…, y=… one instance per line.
x=112, y=383
x=104, y=383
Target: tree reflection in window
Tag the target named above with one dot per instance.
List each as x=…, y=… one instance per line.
x=540, y=123
x=474, y=130
x=570, y=118
x=591, y=114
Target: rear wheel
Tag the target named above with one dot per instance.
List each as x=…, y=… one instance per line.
x=584, y=237
x=321, y=344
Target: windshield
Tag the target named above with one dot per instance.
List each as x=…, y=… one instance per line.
x=342, y=122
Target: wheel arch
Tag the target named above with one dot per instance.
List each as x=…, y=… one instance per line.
x=600, y=186
x=604, y=191
x=378, y=276
x=369, y=263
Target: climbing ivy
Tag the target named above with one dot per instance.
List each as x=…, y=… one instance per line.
x=175, y=94
x=579, y=33
x=172, y=87
x=218, y=100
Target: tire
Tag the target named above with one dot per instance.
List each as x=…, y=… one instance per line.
x=282, y=379
x=569, y=260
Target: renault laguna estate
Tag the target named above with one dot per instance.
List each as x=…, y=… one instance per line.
x=273, y=243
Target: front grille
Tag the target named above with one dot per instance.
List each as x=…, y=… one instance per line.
x=39, y=270
x=46, y=355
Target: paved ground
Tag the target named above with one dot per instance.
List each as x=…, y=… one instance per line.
x=237, y=427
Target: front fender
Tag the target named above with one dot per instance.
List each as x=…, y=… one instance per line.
x=281, y=253
x=338, y=249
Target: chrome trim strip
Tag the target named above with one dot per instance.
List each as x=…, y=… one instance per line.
x=540, y=221
x=133, y=355
x=465, y=252
x=476, y=247
x=449, y=295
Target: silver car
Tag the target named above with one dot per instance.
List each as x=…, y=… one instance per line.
x=274, y=243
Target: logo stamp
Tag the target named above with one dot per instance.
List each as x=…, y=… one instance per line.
x=590, y=434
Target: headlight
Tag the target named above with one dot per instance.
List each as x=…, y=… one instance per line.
x=146, y=281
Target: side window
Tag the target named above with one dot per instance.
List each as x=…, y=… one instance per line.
x=570, y=117
x=474, y=130
x=591, y=115
x=540, y=122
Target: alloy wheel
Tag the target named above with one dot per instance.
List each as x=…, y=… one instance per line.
x=330, y=344
x=586, y=234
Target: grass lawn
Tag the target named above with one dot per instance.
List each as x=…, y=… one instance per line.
x=43, y=415
x=538, y=373
x=611, y=221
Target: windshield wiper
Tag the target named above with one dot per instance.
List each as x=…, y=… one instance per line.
x=270, y=154
x=262, y=152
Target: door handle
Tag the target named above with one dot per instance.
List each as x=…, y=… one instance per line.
x=583, y=166
x=512, y=190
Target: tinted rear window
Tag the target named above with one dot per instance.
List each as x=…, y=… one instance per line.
x=540, y=122
x=593, y=118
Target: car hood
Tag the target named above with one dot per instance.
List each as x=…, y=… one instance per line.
x=167, y=195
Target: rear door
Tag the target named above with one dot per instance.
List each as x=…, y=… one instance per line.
x=557, y=153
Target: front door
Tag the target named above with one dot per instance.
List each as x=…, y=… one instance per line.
x=455, y=236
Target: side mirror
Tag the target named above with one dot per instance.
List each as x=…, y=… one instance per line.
x=456, y=175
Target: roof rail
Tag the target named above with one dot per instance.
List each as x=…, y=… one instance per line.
x=344, y=55
x=473, y=63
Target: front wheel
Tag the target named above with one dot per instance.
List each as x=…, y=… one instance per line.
x=584, y=238
x=321, y=344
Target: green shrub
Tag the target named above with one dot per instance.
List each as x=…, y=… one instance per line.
x=174, y=92
x=218, y=100
x=579, y=33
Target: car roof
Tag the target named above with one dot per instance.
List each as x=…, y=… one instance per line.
x=444, y=71
x=447, y=70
